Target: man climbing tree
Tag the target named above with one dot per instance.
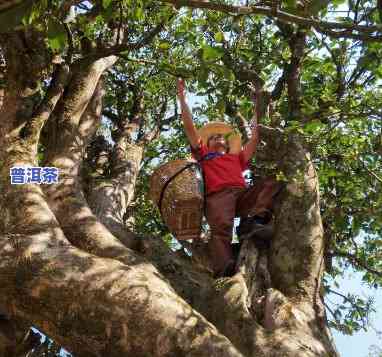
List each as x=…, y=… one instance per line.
x=223, y=161
x=70, y=266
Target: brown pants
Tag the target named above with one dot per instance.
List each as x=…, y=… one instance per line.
x=223, y=206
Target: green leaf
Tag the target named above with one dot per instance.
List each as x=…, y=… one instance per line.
x=31, y=15
x=378, y=71
x=331, y=172
x=219, y=36
x=313, y=126
x=212, y=53
x=336, y=3
x=16, y=16
x=56, y=35
x=290, y=4
x=106, y=3
x=164, y=45
x=247, y=53
x=139, y=13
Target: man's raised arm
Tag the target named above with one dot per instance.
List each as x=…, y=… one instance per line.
x=188, y=123
x=250, y=147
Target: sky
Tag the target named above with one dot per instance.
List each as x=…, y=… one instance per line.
x=358, y=344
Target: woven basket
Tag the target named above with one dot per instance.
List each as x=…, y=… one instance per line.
x=182, y=199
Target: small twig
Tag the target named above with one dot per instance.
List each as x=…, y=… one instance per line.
x=332, y=313
x=357, y=261
x=372, y=173
x=360, y=312
x=120, y=22
x=346, y=29
x=71, y=45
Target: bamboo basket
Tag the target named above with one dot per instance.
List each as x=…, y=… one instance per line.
x=182, y=200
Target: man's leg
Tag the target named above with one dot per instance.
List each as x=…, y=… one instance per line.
x=259, y=199
x=255, y=207
x=220, y=212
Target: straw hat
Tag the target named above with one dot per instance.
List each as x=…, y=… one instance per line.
x=218, y=127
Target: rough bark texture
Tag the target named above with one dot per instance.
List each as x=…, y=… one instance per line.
x=15, y=339
x=110, y=198
x=97, y=290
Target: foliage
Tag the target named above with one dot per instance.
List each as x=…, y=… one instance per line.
x=375, y=351
x=339, y=97
x=340, y=121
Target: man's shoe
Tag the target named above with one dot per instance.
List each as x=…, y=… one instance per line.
x=254, y=228
x=260, y=231
x=228, y=271
x=236, y=250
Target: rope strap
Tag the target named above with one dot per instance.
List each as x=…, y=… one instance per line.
x=208, y=156
x=169, y=180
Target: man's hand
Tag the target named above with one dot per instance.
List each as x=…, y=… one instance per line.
x=180, y=88
x=253, y=124
x=188, y=124
x=250, y=147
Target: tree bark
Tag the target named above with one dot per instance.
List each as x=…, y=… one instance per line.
x=110, y=198
x=106, y=307
x=100, y=299
x=66, y=151
x=66, y=273
x=16, y=339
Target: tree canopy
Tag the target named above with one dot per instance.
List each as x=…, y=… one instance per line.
x=312, y=69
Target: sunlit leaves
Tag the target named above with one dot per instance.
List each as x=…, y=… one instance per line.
x=106, y=3
x=340, y=107
x=212, y=53
x=219, y=36
x=16, y=16
x=56, y=34
x=349, y=313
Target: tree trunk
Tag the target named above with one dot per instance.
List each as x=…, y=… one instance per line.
x=99, y=299
x=109, y=198
x=63, y=271
x=16, y=339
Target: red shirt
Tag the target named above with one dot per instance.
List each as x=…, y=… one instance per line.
x=221, y=171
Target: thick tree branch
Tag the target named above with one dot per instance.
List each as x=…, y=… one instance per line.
x=347, y=30
x=65, y=151
x=154, y=133
x=104, y=294
x=33, y=127
x=297, y=46
x=126, y=47
x=100, y=299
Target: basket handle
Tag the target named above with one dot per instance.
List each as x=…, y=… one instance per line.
x=168, y=182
